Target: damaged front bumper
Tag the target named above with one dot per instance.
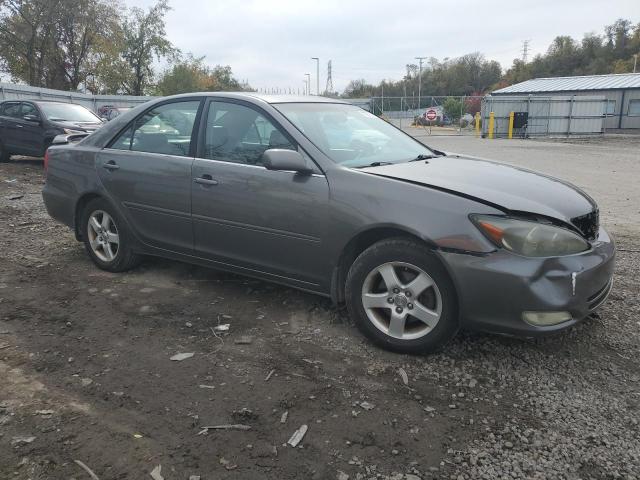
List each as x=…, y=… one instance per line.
x=506, y=293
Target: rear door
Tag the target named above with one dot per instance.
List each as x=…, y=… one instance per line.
x=147, y=172
x=268, y=221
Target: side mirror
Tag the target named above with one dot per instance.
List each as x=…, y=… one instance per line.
x=285, y=160
x=32, y=118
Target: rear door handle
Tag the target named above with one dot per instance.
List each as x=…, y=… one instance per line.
x=110, y=165
x=206, y=180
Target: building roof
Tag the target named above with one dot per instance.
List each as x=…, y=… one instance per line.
x=572, y=84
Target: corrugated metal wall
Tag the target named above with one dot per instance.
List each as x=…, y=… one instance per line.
x=556, y=115
x=10, y=91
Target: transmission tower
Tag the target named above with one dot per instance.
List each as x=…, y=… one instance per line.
x=525, y=50
x=329, y=87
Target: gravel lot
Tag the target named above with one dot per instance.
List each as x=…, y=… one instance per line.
x=86, y=370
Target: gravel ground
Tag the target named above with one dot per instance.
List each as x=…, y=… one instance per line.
x=86, y=371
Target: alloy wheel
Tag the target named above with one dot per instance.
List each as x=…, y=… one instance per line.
x=402, y=300
x=103, y=236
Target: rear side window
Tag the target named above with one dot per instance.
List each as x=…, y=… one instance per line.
x=165, y=129
x=11, y=110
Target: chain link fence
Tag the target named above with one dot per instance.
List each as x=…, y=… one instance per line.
x=450, y=115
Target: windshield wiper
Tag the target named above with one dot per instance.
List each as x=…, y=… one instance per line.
x=422, y=156
x=375, y=164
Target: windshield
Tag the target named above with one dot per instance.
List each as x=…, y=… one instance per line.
x=351, y=136
x=67, y=112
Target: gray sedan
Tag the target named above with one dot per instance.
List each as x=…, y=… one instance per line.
x=323, y=196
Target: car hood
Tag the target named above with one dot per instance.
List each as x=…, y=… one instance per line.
x=80, y=126
x=505, y=187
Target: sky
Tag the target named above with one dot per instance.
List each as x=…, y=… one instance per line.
x=270, y=43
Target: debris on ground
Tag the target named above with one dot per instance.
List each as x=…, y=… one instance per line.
x=224, y=327
x=87, y=469
x=15, y=196
x=210, y=387
x=181, y=356
x=237, y=426
x=297, y=436
x=266, y=379
x=227, y=464
x=367, y=406
x=22, y=440
x=403, y=376
x=156, y=473
x=244, y=340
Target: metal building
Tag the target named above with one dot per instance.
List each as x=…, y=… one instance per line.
x=621, y=92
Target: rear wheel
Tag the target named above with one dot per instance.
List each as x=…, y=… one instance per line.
x=401, y=297
x=5, y=156
x=106, y=237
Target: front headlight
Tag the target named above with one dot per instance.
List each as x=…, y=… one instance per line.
x=528, y=238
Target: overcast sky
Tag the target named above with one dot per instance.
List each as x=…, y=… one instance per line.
x=270, y=42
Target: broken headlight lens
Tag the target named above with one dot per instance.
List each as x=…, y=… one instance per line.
x=528, y=238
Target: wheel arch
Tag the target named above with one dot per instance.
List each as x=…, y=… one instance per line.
x=82, y=202
x=359, y=243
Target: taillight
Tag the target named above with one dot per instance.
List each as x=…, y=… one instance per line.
x=46, y=160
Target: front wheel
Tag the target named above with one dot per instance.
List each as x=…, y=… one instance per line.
x=106, y=237
x=401, y=297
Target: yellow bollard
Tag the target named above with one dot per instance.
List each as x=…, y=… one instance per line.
x=477, y=124
x=510, y=132
x=491, y=124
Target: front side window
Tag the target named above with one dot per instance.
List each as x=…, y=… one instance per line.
x=634, y=108
x=351, y=136
x=239, y=134
x=165, y=129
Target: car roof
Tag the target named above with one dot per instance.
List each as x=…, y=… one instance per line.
x=253, y=96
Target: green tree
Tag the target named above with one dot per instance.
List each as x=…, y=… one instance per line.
x=144, y=38
x=189, y=74
x=453, y=108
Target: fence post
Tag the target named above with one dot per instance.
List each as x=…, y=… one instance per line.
x=510, y=131
x=570, y=115
x=491, y=124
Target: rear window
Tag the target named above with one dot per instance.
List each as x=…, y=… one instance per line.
x=67, y=112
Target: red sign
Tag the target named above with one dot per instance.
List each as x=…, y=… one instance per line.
x=431, y=114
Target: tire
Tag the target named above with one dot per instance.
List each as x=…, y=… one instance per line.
x=430, y=318
x=4, y=155
x=107, y=238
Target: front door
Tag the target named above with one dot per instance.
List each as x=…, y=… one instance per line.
x=271, y=222
x=147, y=172
x=30, y=133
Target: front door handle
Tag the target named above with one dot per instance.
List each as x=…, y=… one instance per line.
x=206, y=180
x=110, y=165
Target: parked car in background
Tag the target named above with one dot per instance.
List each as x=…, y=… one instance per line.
x=323, y=196
x=113, y=112
x=28, y=127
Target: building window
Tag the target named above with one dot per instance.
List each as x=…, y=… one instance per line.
x=611, y=107
x=634, y=108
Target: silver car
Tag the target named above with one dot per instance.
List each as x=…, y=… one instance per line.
x=323, y=196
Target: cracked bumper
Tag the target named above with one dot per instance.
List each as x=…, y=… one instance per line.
x=494, y=290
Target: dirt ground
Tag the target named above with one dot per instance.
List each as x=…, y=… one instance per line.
x=86, y=375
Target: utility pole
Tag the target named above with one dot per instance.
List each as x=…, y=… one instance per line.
x=420, y=59
x=525, y=50
x=317, y=74
x=635, y=61
x=308, y=83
